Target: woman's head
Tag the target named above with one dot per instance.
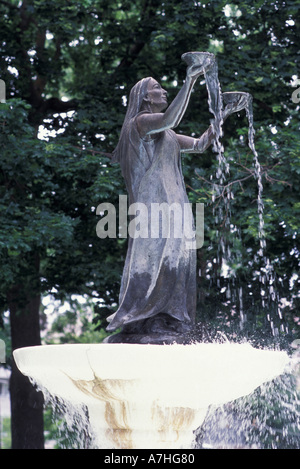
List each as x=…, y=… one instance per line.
x=156, y=97
x=136, y=97
x=146, y=94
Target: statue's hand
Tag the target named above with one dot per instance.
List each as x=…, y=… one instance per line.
x=198, y=62
x=194, y=71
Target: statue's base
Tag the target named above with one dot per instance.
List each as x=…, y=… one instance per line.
x=158, y=339
x=160, y=329
x=162, y=332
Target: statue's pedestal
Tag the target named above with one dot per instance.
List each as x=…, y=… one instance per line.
x=156, y=339
x=158, y=330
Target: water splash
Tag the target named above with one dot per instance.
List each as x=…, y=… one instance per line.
x=70, y=425
x=268, y=419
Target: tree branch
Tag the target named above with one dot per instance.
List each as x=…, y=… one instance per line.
x=56, y=105
x=133, y=51
x=263, y=105
x=9, y=5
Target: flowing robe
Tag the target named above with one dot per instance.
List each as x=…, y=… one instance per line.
x=160, y=271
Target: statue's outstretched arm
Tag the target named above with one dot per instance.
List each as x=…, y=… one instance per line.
x=196, y=145
x=235, y=101
x=155, y=122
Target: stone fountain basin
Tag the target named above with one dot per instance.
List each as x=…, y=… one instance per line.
x=199, y=374
x=135, y=383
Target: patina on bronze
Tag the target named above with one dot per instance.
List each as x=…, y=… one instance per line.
x=157, y=301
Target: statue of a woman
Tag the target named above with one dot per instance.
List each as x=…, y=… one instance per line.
x=158, y=288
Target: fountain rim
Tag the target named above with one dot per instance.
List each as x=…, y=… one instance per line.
x=184, y=352
x=153, y=370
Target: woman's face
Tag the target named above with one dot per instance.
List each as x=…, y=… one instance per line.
x=156, y=96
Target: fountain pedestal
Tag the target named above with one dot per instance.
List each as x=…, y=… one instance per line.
x=148, y=396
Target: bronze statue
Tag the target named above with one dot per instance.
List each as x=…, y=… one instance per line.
x=158, y=290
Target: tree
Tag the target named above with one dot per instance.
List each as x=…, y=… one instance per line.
x=40, y=226
x=69, y=66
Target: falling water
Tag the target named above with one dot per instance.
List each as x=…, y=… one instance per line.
x=71, y=425
x=215, y=103
x=269, y=296
x=258, y=175
x=268, y=419
x=222, y=192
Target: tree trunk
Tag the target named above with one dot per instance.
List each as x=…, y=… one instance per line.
x=27, y=424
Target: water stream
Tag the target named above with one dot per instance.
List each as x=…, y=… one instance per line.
x=225, y=228
x=215, y=103
x=258, y=175
x=269, y=295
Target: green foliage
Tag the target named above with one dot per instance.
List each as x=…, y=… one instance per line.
x=77, y=324
x=5, y=434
